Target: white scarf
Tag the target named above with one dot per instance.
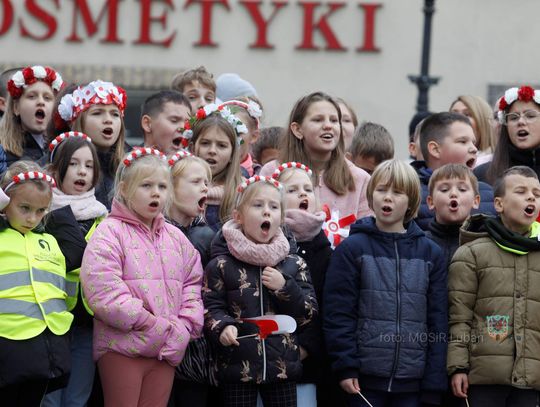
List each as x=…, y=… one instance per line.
x=84, y=206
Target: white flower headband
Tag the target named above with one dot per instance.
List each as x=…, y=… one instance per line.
x=178, y=156
x=29, y=75
x=56, y=142
x=257, y=178
x=524, y=93
x=289, y=165
x=203, y=113
x=252, y=107
x=141, y=152
x=31, y=175
x=95, y=93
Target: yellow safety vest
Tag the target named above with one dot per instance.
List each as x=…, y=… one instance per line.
x=73, y=279
x=32, y=285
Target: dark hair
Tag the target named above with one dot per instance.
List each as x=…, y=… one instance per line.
x=372, y=140
x=453, y=171
x=416, y=119
x=435, y=128
x=153, y=105
x=499, y=187
x=62, y=157
x=4, y=79
x=270, y=137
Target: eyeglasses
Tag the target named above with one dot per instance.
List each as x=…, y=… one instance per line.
x=529, y=116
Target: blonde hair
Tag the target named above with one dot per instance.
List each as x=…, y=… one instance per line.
x=337, y=175
x=117, y=148
x=482, y=114
x=230, y=177
x=245, y=197
x=23, y=166
x=179, y=167
x=286, y=174
x=400, y=175
x=131, y=176
x=453, y=171
x=11, y=130
x=199, y=74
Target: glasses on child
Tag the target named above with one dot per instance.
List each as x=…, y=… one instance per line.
x=529, y=116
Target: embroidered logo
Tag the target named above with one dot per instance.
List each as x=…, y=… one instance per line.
x=497, y=326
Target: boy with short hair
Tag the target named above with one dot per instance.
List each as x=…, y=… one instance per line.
x=385, y=309
x=162, y=120
x=197, y=85
x=494, y=297
x=266, y=148
x=447, y=138
x=371, y=145
x=453, y=194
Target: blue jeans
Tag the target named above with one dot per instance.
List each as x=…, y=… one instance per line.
x=81, y=379
x=384, y=399
x=306, y=395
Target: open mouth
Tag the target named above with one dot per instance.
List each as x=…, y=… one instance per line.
x=211, y=161
x=304, y=205
x=453, y=204
x=529, y=210
x=327, y=136
x=201, y=203
x=177, y=142
x=40, y=114
x=80, y=182
x=522, y=133
x=386, y=210
x=470, y=163
x=154, y=204
x=108, y=131
x=265, y=226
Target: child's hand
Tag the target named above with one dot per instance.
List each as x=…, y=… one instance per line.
x=272, y=279
x=460, y=385
x=351, y=386
x=228, y=336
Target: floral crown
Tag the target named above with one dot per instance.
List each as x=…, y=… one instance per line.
x=292, y=164
x=178, y=156
x=208, y=110
x=29, y=75
x=258, y=178
x=524, y=93
x=252, y=107
x=95, y=93
x=56, y=142
x=141, y=152
x=31, y=175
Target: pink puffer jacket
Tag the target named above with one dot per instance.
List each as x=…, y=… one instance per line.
x=144, y=287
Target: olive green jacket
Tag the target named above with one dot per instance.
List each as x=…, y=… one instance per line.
x=494, y=312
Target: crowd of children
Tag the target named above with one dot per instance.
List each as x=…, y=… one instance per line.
x=227, y=263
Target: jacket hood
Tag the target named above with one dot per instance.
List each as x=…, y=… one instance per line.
x=423, y=171
x=367, y=225
x=122, y=212
x=473, y=228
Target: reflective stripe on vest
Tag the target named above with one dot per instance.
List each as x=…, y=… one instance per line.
x=73, y=279
x=20, y=278
x=31, y=309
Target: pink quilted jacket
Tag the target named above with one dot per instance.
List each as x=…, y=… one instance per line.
x=144, y=287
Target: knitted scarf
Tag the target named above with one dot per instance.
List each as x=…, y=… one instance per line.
x=258, y=254
x=84, y=206
x=305, y=226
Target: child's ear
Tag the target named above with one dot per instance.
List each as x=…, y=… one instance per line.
x=255, y=136
x=476, y=202
x=295, y=128
x=16, y=107
x=146, y=123
x=430, y=204
x=237, y=217
x=434, y=149
x=348, y=156
x=497, y=203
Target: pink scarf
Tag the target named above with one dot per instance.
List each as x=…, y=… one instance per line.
x=303, y=224
x=258, y=254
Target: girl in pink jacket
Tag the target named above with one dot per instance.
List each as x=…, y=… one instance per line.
x=142, y=279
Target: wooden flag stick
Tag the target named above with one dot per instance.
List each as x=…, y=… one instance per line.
x=365, y=399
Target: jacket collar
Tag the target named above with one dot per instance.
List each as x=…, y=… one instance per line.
x=530, y=158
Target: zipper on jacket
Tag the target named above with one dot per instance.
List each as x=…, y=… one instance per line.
x=261, y=289
x=398, y=319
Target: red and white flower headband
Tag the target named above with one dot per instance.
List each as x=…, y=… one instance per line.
x=29, y=75
x=203, y=113
x=292, y=164
x=31, y=175
x=257, y=178
x=56, y=142
x=141, y=152
x=524, y=93
x=178, y=156
x=95, y=93
x=253, y=108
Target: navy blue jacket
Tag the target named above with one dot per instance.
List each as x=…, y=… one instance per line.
x=385, y=314
x=425, y=215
